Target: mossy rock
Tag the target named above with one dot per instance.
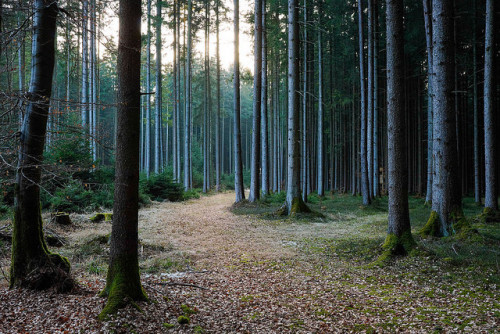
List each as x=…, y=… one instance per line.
x=100, y=217
x=183, y=320
x=61, y=218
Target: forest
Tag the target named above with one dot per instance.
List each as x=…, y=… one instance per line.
x=249, y=166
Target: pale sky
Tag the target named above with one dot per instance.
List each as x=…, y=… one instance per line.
x=226, y=37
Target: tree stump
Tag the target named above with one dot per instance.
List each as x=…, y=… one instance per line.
x=61, y=218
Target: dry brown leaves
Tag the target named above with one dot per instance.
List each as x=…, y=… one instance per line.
x=258, y=281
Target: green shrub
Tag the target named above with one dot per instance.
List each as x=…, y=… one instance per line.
x=161, y=186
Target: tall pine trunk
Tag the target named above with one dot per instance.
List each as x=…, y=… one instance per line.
x=490, y=154
x=187, y=119
x=399, y=239
x=428, y=37
x=217, y=116
x=321, y=163
x=365, y=189
x=294, y=202
x=446, y=194
x=148, y=91
x=238, y=165
x=257, y=92
x=123, y=283
x=477, y=177
x=158, y=92
x=264, y=109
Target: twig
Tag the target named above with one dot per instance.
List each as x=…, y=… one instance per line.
x=183, y=284
x=453, y=247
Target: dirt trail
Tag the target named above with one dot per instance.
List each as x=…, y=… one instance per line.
x=208, y=232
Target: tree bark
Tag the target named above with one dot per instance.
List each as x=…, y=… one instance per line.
x=446, y=198
x=321, y=163
x=123, y=280
x=365, y=189
x=294, y=202
x=33, y=265
x=217, y=117
x=428, y=35
x=399, y=239
x=187, y=128
x=238, y=166
x=264, y=109
x=158, y=92
x=490, y=154
x=257, y=92
x=477, y=179
x=85, y=75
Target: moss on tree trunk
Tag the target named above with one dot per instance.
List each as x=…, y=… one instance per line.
x=396, y=246
x=123, y=286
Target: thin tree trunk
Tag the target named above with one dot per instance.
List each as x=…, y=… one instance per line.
x=206, y=127
x=264, y=109
x=365, y=190
x=187, y=129
x=257, y=92
x=238, y=167
x=369, y=121
x=376, y=186
x=158, y=95
x=148, y=91
x=428, y=35
x=175, y=120
x=305, y=107
x=85, y=75
x=321, y=179
x=217, y=117
x=477, y=177
x=490, y=154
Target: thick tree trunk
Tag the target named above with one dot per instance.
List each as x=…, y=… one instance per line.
x=33, y=266
x=264, y=109
x=123, y=280
x=490, y=152
x=399, y=239
x=257, y=92
x=446, y=198
x=428, y=35
x=365, y=189
x=238, y=166
x=294, y=202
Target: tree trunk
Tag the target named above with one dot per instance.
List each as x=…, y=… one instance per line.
x=321, y=179
x=399, y=239
x=376, y=186
x=477, y=177
x=148, y=91
x=294, y=202
x=490, y=154
x=264, y=109
x=158, y=93
x=217, y=117
x=369, y=116
x=305, y=106
x=187, y=127
x=175, y=86
x=446, y=198
x=365, y=190
x=257, y=91
x=428, y=35
x=238, y=167
x=123, y=280
x=178, y=97
x=33, y=265
x=206, y=127
x=85, y=75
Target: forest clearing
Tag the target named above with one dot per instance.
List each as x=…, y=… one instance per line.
x=249, y=271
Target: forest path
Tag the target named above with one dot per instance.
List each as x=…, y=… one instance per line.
x=209, y=233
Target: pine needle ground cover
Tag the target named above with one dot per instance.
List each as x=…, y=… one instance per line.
x=208, y=266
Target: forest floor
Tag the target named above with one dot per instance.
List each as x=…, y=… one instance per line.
x=241, y=269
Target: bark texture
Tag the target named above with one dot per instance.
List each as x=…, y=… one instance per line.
x=399, y=239
x=123, y=283
x=238, y=163
x=33, y=266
